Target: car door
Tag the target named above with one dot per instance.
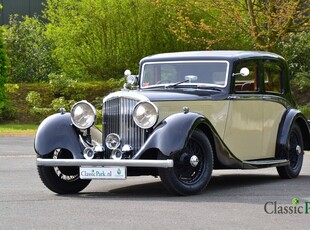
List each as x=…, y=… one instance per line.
x=244, y=128
x=274, y=105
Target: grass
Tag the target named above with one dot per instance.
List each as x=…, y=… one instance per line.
x=17, y=129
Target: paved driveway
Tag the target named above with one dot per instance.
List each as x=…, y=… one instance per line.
x=234, y=199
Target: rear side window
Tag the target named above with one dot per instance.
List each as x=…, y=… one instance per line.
x=248, y=83
x=273, y=77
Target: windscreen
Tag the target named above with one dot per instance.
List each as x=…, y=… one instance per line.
x=212, y=73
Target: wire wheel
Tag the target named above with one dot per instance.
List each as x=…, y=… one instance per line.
x=62, y=180
x=295, y=156
x=192, y=166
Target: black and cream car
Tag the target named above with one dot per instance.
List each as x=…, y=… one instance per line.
x=185, y=115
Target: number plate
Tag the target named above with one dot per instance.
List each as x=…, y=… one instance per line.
x=112, y=173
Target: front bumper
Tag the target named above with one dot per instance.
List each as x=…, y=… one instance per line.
x=105, y=162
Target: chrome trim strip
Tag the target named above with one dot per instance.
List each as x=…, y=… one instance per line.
x=126, y=94
x=188, y=61
x=261, y=97
x=105, y=162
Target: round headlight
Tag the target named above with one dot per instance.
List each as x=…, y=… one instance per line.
x=83, y=114
x=145, y=114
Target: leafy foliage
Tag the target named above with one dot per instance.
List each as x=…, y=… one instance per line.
x=98, y=39
x=3, y=76
x=87, y=40
x=29, y=50
x=237, y=24
x=61, y=84
x=37, y=109
x=296, y=48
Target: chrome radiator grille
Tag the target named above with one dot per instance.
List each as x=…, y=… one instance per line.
x=117, y=118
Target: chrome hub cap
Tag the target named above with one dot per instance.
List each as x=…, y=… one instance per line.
x=298, y=149
x=194, y=161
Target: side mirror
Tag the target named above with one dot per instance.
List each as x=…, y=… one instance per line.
x=243, y=72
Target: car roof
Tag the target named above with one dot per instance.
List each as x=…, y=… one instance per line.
x=230, y=55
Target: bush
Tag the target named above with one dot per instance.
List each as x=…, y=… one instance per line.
x=33, y=102
x=29, y=50
x=296, y=48
x=3, y=77
x=305, y=109
x=61, y=84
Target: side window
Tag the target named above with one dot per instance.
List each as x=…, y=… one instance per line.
x=248, y=83
x=272, y=77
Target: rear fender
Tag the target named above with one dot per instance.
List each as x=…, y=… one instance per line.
x=55, y=132
x=289, y=118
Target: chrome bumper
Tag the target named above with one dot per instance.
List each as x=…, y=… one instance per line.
x=105, y=162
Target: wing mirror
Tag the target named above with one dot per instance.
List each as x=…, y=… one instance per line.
x=244, y=72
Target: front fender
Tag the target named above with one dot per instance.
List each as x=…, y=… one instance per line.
x=57, y=131
x=171, y=134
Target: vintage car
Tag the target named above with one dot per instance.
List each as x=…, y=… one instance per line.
x=183, y=116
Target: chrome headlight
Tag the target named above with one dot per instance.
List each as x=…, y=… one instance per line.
x=145, y=114
x=83, y=114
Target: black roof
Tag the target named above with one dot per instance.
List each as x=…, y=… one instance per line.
x=229, y=55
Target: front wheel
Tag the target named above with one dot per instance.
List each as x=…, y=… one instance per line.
x=192, y=168
x=296, y=152
x=62, y=180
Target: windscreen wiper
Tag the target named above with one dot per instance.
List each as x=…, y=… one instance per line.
x=208, y=87
x=175, y=84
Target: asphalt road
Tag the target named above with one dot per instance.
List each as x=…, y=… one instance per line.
x=234, y=199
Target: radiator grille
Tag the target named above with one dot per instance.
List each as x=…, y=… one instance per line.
x=117, y=118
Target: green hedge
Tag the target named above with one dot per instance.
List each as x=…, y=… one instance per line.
x=92, y=92
x=17, y=93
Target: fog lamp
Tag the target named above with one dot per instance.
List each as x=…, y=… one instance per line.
x=112, y=141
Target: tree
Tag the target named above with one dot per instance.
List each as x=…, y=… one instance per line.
x=260, y=23
x=3, y=74
x=29, y=50
x=99, y=39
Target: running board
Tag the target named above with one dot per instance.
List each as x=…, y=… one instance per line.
x=254, y=164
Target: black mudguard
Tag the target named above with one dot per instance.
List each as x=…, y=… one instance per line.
x=55, y=132
x=289, y=118
x=171, y=134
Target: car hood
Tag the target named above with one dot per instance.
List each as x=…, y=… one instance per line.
x=168, y=95
x=173, y=95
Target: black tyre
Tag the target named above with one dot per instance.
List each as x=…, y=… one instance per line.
x=62, y=180
x=192, y=168
x=296, y=155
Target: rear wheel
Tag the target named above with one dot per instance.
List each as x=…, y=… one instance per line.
x=62, y=180
x=296, y=152
x=192, y=168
